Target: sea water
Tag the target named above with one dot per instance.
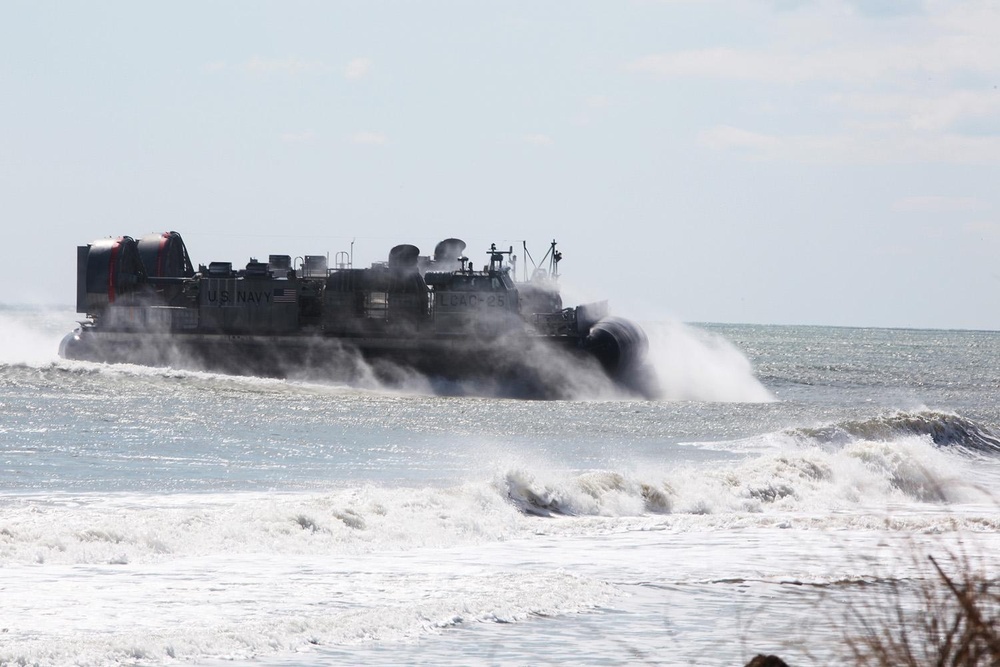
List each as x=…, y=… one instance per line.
x=788, y=476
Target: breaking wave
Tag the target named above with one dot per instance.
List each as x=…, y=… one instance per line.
x=592, y=493
x=865, y=476
x=861, y=480
x=944, y=429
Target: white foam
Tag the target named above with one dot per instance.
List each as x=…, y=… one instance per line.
x=246, y=607
x=122, y=579
x=149, y=529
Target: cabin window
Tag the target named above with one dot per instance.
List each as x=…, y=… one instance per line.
x=377, y=305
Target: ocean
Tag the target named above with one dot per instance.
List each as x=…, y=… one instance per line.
x=789, y=478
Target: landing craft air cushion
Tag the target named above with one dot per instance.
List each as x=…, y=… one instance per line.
x=436, y=315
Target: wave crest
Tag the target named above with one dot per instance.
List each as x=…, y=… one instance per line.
x=945, y=429
x=600, y=493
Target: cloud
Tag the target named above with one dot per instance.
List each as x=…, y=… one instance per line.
x=257, y=65
x=598, y=102
x=722, y=63
x=728, y=138
x=595, y=106
x=262, y=66
x=936, y=204
x=358, y=68
x=370, y=138
x=983, y=229
x=879, y=84
x=859, y=148
x=298, y=137
x=539, y=139
x=924, y=112
x=848, y=65
x=833, y=42
x=887, y=8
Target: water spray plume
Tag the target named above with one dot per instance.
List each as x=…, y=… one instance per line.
x=31, y=336
x=697, y=365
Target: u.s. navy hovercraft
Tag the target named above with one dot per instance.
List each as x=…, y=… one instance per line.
x=436, y=315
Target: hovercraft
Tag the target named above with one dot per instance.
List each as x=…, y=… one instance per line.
x=436, y=315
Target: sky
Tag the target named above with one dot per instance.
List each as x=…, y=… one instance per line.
x=762, y=161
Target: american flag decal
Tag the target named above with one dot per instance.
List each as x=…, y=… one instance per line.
x=284, y=295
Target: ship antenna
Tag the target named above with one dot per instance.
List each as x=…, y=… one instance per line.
x=554, y=262
x=496, y=256
x=524, y=244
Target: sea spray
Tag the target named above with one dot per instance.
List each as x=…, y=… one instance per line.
x=694, y=364
x=31, y=335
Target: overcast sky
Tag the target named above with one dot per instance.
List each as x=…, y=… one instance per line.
x=789, y=162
